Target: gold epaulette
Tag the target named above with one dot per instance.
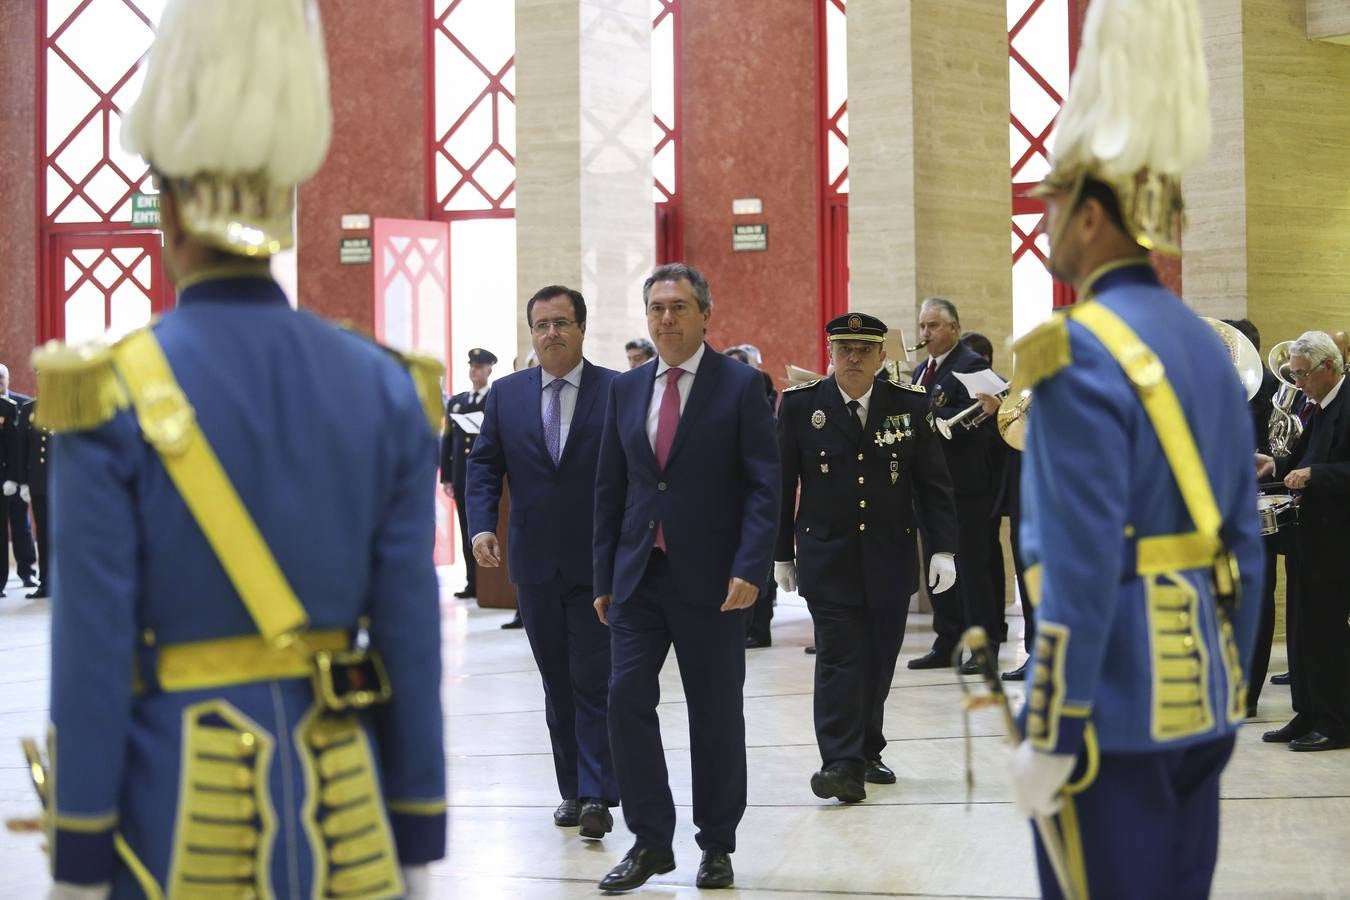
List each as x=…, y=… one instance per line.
x=426, y=372
x=1041, y=352
x=907, y=386
x=79, y=386
x=805, y=384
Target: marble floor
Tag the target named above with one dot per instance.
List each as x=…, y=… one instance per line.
x=1286, y=816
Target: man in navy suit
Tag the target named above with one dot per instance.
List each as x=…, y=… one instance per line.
x=542, y=430
x=686, y=510
x=973, y=601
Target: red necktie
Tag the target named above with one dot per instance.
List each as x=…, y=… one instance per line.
x=927, y=373
x=667, y=420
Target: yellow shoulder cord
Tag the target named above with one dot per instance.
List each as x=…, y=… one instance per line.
x=170, y=425
x=1146, y=373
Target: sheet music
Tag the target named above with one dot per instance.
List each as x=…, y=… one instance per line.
x=982, y=382
x=471, y=423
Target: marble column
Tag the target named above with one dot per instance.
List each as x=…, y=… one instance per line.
x=929, y=191
x=584, y=214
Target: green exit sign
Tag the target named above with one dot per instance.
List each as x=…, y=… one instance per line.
x=145, y=210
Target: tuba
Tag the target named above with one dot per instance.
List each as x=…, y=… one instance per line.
x=1285, y=427
x=1012, y=418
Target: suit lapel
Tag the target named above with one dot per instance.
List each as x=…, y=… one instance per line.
x=837, y=414
x=534, y=429
x=590, y=387
x=637, y=416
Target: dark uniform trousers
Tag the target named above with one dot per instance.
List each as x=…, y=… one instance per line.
x=1265, y=634
x=710, y=647
x=856, y=650
x=575, y=671
x=1318, y=613
x=1148, y=824
x=971, y=601
x=21, y=537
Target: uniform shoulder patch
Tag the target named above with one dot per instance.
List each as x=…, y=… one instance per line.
x=803, y=386
x=1042, y=352
x=426, y=372
x=906, y=386
x=79, y=386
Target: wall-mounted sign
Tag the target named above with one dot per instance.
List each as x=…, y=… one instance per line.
x=747, y=206
x=355, y=251
x=144, y=210
x=355, y=221
x=749, y=237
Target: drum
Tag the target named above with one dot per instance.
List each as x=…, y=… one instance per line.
x=1276, y=511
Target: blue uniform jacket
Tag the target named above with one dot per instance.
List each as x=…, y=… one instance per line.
x=717, y=496
x=551, y=522
x=324, y=438
x=1145, y=660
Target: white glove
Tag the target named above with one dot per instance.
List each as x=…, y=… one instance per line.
x=941, y=572
x=63, y=890
x=23, y=493
x=1037, y=778
x=10, y=488
x=785, y=574
x=416, y=883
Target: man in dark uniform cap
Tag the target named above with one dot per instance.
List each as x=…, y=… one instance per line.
x=865, y=453
x=456, y=445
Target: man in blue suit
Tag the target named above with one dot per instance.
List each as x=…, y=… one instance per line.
x=542, y=430
x=686, y=511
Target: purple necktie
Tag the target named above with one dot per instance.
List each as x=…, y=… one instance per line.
x=553, y=421
x=667, y=420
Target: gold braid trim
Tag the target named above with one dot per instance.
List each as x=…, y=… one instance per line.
x=1041, y=352
x=79, y=386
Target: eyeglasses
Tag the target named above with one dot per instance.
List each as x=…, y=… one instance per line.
x=1300, y=374
x=543, y=326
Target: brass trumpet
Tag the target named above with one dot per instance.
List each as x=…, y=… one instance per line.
x=1012, y=419
x=970, y=417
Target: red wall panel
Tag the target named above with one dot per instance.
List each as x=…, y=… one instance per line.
x=750, y=130
x=376, y=55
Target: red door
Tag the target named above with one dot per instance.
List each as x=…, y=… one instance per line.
x=104, y=282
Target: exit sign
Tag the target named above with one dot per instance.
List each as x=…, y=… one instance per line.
x=145, y=210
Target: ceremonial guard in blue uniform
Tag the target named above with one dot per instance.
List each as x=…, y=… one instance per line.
x=31, y=454
x=456, y=445
x=865, y=454
x=1139, y=510
x=245, y=638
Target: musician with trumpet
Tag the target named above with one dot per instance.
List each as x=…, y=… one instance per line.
x=973, y=601
x=1318, y=468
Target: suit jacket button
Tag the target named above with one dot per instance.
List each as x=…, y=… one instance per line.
x=661, y=486
x=651, y=525
x=862, y=526
x=860, y=457
x=862, y=504
x=860, y=479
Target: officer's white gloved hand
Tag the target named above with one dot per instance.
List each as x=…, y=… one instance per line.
x=63, y=890
x=941, y=572
x=24, y=495
x=785, y=575
x=1037, y=779
x=416, y=883
x=10, y=488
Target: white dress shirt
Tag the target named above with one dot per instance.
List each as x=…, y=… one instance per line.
x=861, y=414
x=934, y=363
x=568, y=399
x=686, y=384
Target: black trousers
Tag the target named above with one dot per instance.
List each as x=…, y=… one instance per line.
x=710, y=647
x=856, y=649
x=41, y=526
x=757, y=623
x=1020, y=569
x=1319, y=641
x=971, y=601
x=462, y=513
x=1265, y=632
x=21, y=536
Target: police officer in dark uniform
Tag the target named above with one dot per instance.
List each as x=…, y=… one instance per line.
x=456, y=445
x=865, y=454
x=30, y=460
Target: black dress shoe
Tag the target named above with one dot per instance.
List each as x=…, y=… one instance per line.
x=1282, y=678
x=1316, y=740
x=514, y=623
x=715, y=870
x=811, y=651
x=1290, y=732
x=837, y=781
x=754, y=643
x=28, y=582
x=595, y=819
x=39, y=593
x=933, y=659
x=567, y=813
x=636, y=867
x=878, y=772
x=1017, y=674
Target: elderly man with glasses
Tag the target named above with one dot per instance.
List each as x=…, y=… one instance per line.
x=1319, y=605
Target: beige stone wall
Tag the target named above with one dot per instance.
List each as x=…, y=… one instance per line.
x=929, y=200
x=584, y=172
